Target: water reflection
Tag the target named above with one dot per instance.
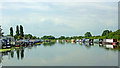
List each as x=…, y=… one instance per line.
x=0, y=57
x=12, y=54
x=62, y=42
x=20, y=52
x=48, y=43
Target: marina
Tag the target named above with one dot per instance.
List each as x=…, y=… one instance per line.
x=59, y=34
x=10, y=42
x=17, y=54
x=55, y=54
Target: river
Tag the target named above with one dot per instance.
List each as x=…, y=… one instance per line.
x=61, y=54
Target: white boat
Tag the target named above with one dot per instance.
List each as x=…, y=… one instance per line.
x=96, y=40
x=87, y=40
x=110, y=40
x=77, y=40
x=80, y=40
x=72, y=40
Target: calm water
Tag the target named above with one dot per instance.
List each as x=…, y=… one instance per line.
x=61, y=54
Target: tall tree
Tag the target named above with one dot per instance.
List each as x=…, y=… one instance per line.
x=21, y=31
x=1, y=33
x=17, y=30
x=11, y=31
x=88, y=34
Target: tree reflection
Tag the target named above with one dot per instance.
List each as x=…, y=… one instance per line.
x=22, y=53
x=0, y=57
x=49, y=43
x=63, y=43
x=18, y=51
x=12, y=54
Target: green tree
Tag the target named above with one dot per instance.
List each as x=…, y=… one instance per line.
x=67, y=38
x=19, y=37
x=88, y=34
x=17, y=30
x=75, y=37
x=1, y=33
x=15, y=36
x=11, y=31
x=48, y=37
x=80, y=37
x=34, y=37
x=51, y=37
x=62, y=37
x=28, y=36
x=106, y=32
x=21, y=31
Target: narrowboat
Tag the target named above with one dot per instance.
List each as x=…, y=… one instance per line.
x=96, y=40
x=17, y=44
x=26, y=42
x=31, y=42
x=8, y=42
x=5, y=44
x=87, y=40
x=80, y=40
x=111, y=41
x=38, y=42
x=91, y=40
x=83, y=40
x=100, y=41
x=72, y=40
x=77, y=40
x=9, y=39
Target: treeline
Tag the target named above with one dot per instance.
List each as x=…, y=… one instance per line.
x=20, y=33
x=107, y=34
x=29, y=36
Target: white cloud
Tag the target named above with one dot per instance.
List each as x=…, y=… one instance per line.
x=63, y=17
x=18, y=6
x=42, y=19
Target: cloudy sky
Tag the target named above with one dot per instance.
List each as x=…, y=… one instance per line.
x=59, y=18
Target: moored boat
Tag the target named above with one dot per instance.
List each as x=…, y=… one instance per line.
x=111, y=41
x=83, y=40
x=72, y=40
x=77, y=40
x=96, y=40
x=87, y=40
x=91, y=40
